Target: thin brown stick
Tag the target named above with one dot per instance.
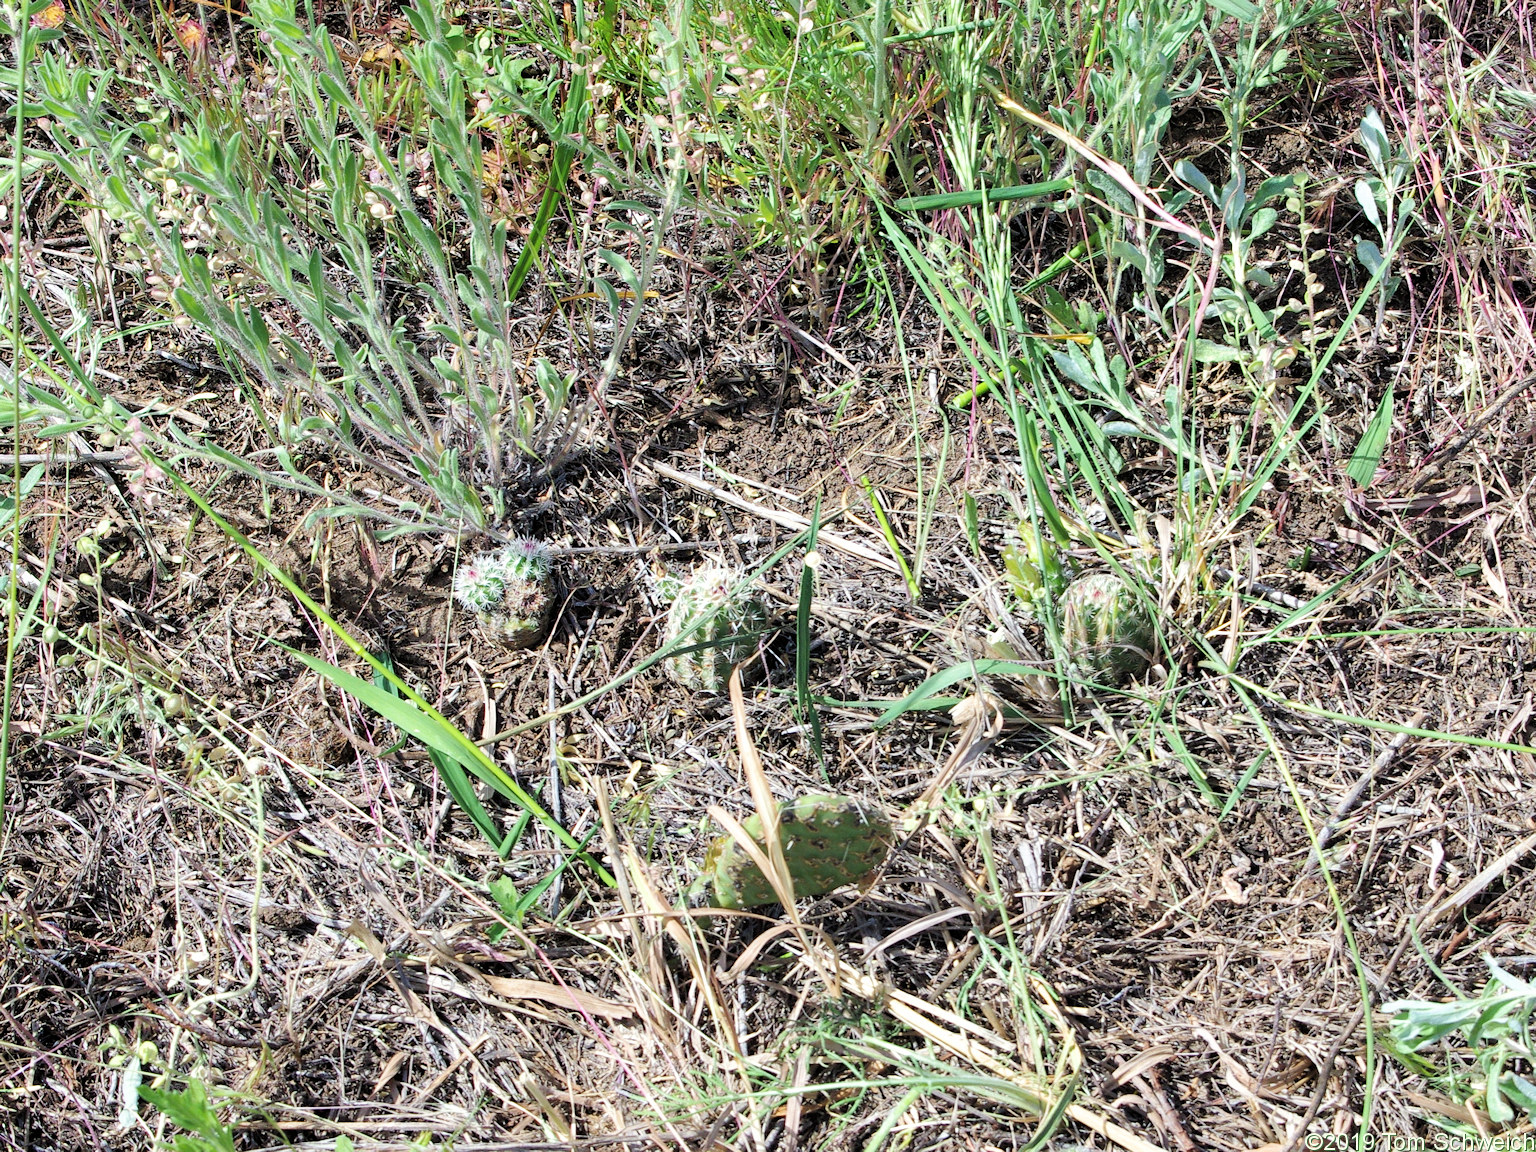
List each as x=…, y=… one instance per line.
x=791, y=520
x=1459, y=444
x=1352, y=797
x=1166, y=1111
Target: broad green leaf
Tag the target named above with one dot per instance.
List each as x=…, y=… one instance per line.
x=1241, y=10
x=1195, y=178
x=189, y=1109
x=1210, y=352
x=1365, y=196
x=1370, y=256
x=1373, y=135
x=1261, y=222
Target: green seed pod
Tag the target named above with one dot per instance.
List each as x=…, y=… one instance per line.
x=1105, y=628
x=828, y=841
x=709, y=599
x=1035, y=570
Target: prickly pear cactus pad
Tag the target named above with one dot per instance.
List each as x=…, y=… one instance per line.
x=1106, y=630
x=708, y=595
x=509, y=591
x=828, y=841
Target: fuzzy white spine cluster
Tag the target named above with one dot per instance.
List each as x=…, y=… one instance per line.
x=480, y=583
x=708, y=608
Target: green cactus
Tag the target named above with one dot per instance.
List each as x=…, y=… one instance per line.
x=478, y=582
x=509, y=591
x=710, y=596
x=828, y=841
x=1105, y=627
x=1035, y=569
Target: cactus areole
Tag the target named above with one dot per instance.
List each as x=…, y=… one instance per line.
x=1105, y=627
x=828, y=841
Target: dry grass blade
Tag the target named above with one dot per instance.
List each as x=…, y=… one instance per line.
x=1479, y=883
x=980, y=719
x=924, y=1019
x=791, y=520
x=1111, y=168
x=652, y=909
x=563, y=996
x=769, y=857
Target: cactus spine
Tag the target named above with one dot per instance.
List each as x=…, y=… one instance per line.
x=709, y=599
x=509, y=591
x=828, y=841
x=1105, y=628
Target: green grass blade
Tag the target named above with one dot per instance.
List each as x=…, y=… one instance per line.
x=453, y=776
x=1062, y=263
x=438, y=735
x=939, y=201
x=1039, y=487
x=1367, y=457
x=807, y=707
x=559, y=171
x=1375, y=725
x=939, y=681
x=890, y=539
x=26, y=35
x=1291, y=435
x=456, y=780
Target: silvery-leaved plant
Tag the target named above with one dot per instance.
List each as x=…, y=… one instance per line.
x=366, y=282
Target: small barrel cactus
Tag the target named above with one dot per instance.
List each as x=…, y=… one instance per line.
x=1035, y=569
x=509, y=591
x=709, y=599
x=1105, y=627
x=828, y=841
